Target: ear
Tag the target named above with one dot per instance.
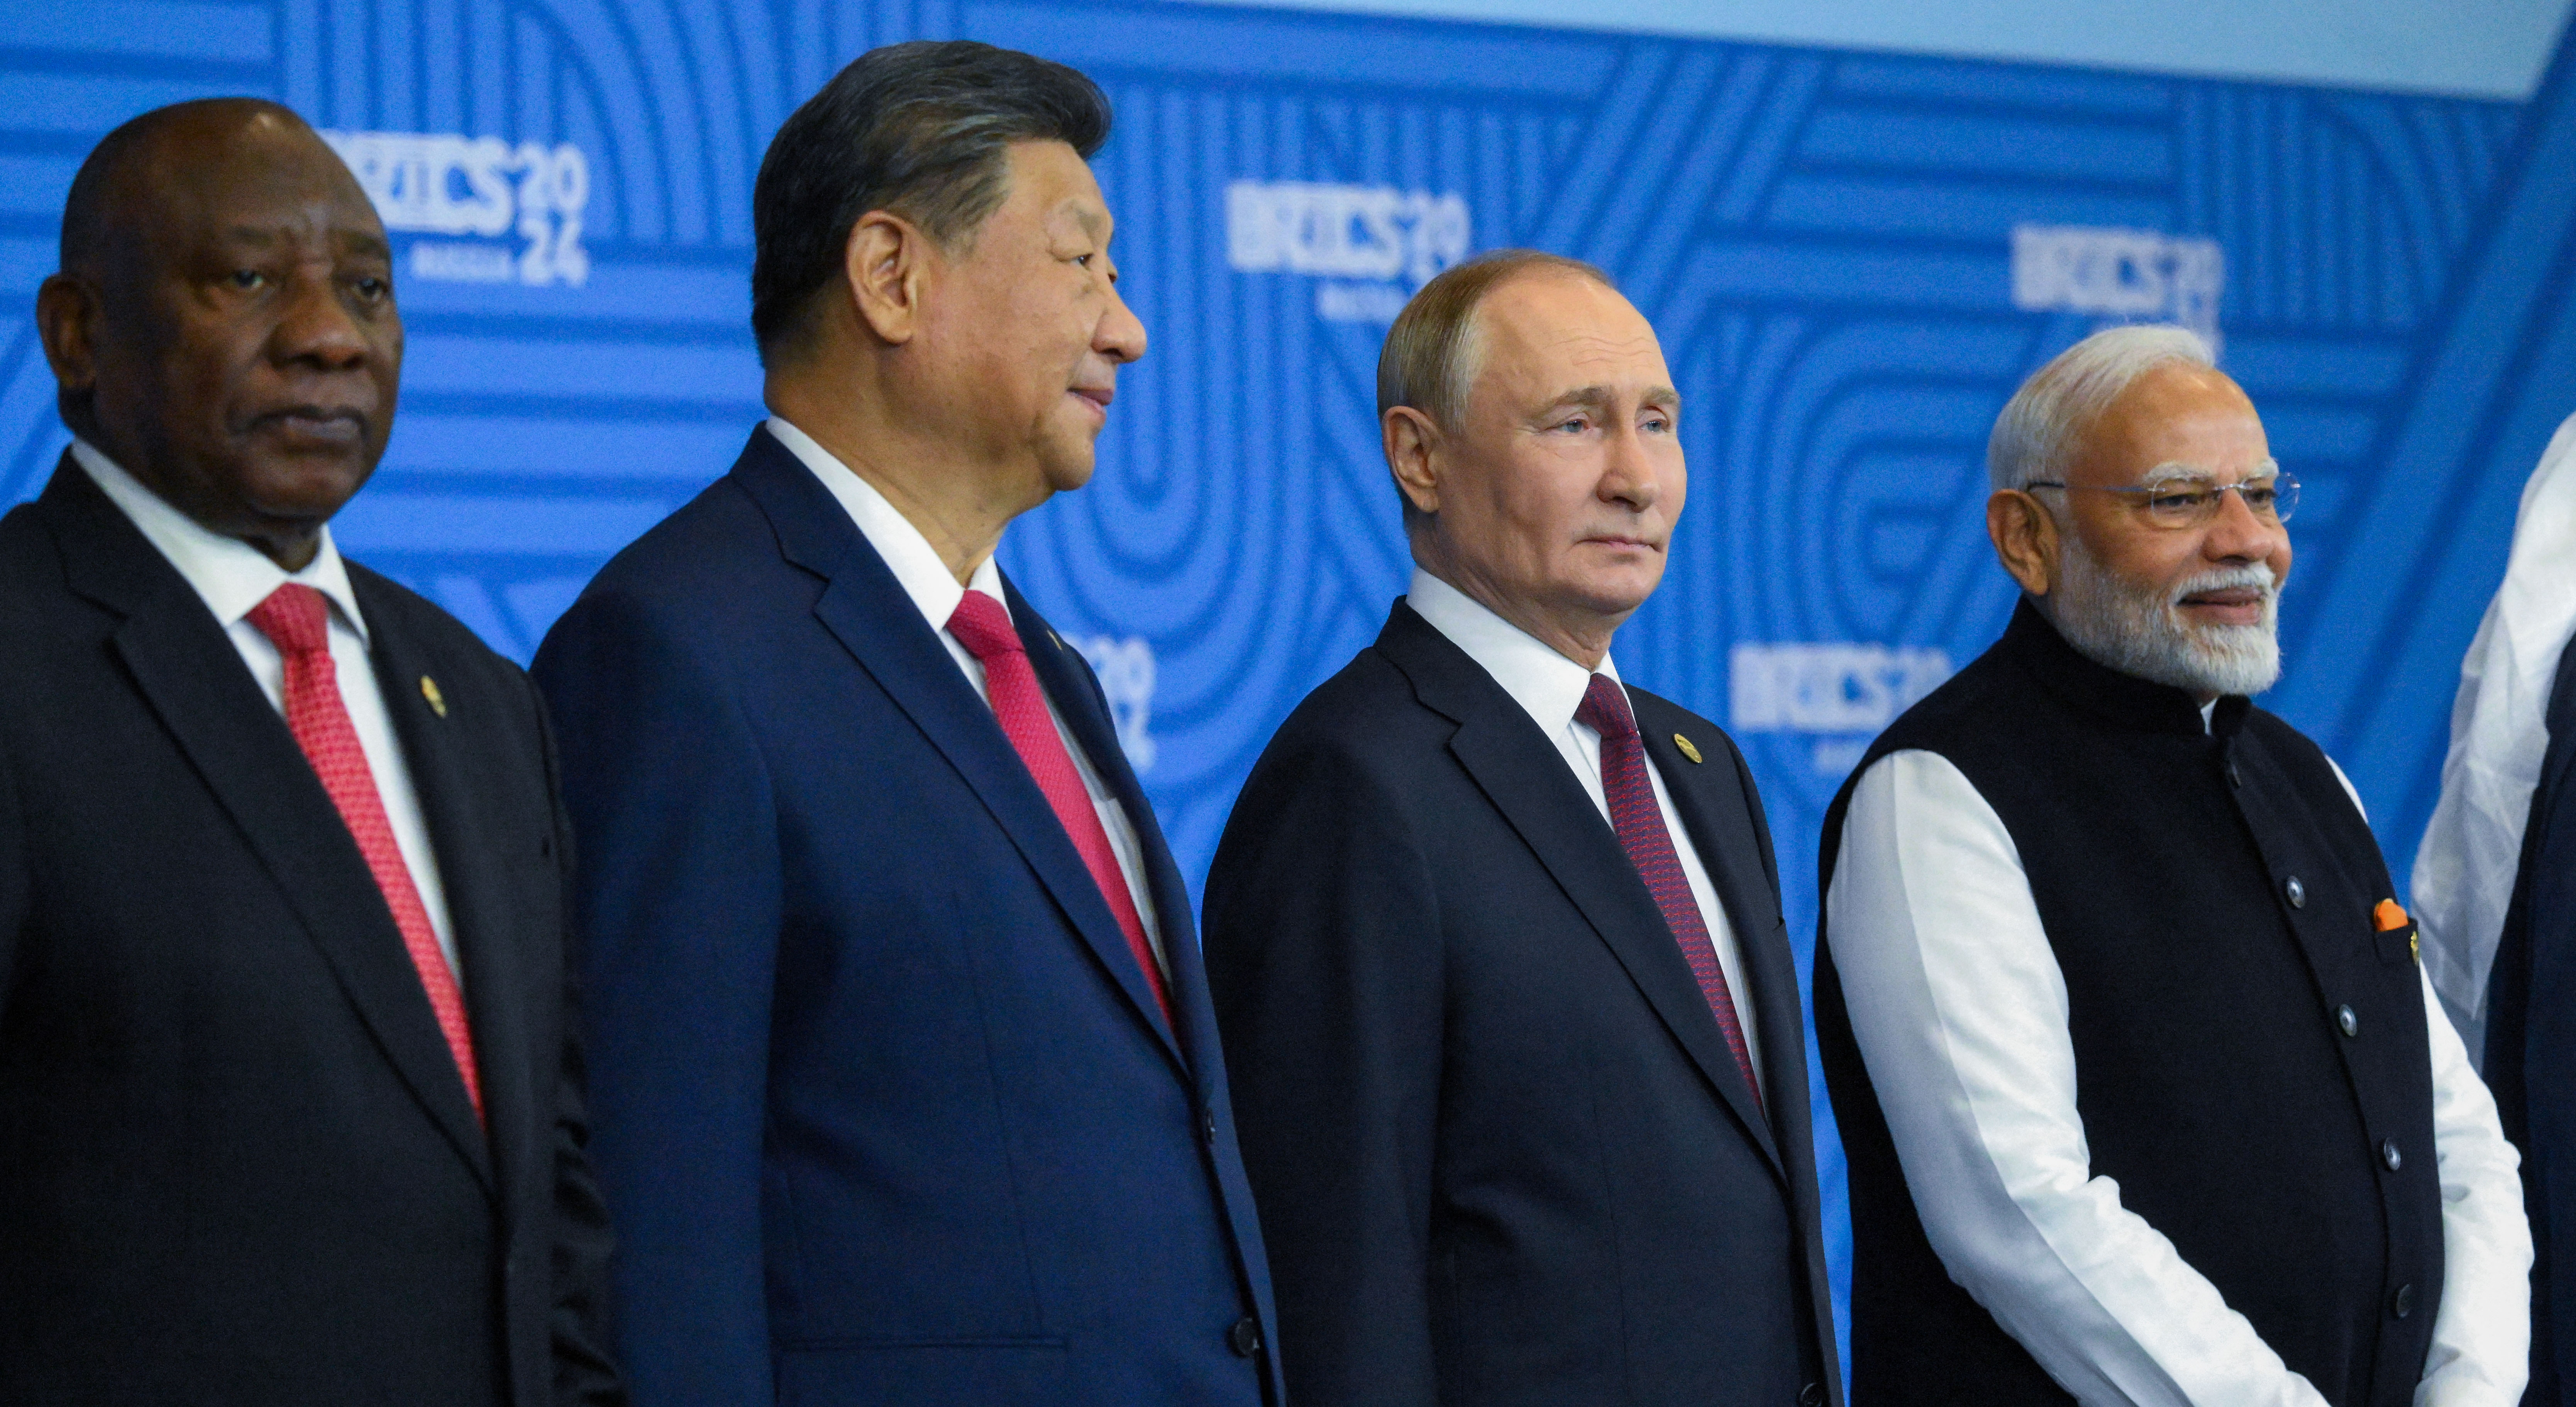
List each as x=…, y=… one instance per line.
x=1413, y=443
x=886, y=263
x=67, y=320
x=2025, y=538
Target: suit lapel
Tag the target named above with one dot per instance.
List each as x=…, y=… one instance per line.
x=1066, y=677
x=1713, y=808
x=1527, y=780
x=189, y=672
x=473, y=869
x=866, y=609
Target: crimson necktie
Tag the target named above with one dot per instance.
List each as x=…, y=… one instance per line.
x=294, y=618
x=1639, y=820
x=983, y=626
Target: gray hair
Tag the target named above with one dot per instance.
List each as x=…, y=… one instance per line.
x=2063, y=399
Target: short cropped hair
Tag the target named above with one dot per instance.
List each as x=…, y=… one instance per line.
x=1431, y=353
x=2052, y=410
x=918, y=129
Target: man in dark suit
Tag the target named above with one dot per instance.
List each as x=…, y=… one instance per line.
x=287, y=1070
x=908, y=1087
x=1496, y=941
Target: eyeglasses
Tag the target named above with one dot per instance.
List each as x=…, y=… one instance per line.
x=2187, y=501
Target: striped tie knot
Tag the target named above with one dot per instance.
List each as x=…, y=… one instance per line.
x=1605, y=709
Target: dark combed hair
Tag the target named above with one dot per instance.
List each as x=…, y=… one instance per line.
x=917, y=129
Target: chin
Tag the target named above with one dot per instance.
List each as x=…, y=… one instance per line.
x=302, y=488
x=1064, y=470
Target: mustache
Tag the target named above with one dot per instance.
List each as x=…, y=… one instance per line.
x=2255, y=576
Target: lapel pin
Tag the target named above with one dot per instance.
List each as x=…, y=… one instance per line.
x=438, y=701
x=1684, y=744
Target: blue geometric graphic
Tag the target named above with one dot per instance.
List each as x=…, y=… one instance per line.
x=1851, y=258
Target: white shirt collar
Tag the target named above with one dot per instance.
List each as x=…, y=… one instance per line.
x=229, y=575
x=1546, y=684
x=907, y=552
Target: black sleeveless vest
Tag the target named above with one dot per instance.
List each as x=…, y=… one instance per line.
x=2252, y=1060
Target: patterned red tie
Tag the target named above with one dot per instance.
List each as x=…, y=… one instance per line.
x=1640, y=823
x=294, y=618
x=983, y=626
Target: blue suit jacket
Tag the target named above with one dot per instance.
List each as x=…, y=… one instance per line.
x=884, y=1108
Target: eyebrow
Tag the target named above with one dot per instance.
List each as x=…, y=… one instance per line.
x=1600, y=397
x=354, y=240
x=2171, y=470
x=1095, y=223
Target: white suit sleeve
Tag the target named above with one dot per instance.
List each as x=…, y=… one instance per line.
x=2481, y=1352
x=1961, y=1016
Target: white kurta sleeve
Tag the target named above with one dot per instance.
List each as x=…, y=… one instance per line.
x=2481, y=1351
x=1960, y=1012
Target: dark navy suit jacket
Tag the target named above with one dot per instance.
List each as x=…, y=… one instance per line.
x=883, y=1103
x=1504, y=1155
x=2531, y=1042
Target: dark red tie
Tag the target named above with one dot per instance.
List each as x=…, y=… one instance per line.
x=983, y=626
x=1640, y=823
x=295, y=619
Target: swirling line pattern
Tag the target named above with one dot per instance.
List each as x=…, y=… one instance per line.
x=1823, y=240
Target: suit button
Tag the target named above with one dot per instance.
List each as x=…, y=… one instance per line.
x=2388, y=1154
x=1812, y=1395
x=2234, y=777
x=2296, y=893
x=1245, y=1337
x=1207, y=1124
x=2402, y=1303
x=2346, y=1021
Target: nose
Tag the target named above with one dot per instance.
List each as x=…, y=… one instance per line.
x=2239, y=534
x=316, y=326
x=1627, y=472
x=1121, y=334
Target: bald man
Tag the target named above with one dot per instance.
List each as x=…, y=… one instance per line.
x=291, y=1103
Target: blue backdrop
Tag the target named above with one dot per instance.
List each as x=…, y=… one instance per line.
x=1852, y=259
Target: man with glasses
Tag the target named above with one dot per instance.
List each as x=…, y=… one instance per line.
x=2144, y=1095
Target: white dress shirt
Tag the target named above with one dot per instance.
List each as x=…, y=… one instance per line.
x=232, y=577
x=1960, y=1011
x=926, y=579
x=1551, y=688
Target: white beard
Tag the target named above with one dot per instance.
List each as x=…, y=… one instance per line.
x=2143, y=632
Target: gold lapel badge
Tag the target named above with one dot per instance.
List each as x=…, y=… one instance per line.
x=437, y=700
x=1684, y=744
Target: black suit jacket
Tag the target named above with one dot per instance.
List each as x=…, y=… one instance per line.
x=237, y=1164
x=1502, y=1153
x=2530, y=1053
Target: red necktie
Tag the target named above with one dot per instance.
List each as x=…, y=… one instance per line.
x=983, y=626
x=294, y=618
x=1640, y=823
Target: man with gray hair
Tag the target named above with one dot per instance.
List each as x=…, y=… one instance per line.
x=2144, y=1095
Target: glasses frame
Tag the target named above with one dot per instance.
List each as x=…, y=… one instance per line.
x=2285, y=491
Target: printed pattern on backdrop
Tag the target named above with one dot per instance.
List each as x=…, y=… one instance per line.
x=1851, y=259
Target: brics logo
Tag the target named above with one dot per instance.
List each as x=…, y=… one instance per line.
x=1373, y=245
x=2119, y=275
x=1843, y=694
x=507, y=214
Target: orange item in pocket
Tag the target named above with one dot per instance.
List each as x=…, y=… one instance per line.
x=2388, y=917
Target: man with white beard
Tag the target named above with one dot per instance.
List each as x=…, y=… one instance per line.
x=2144, y=1095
